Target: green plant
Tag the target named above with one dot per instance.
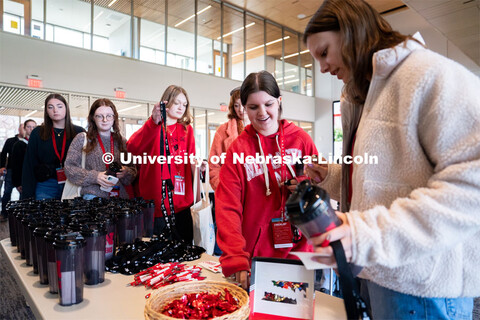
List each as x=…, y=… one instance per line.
x=337, y=135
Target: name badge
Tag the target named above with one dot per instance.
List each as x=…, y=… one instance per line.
x=179, y=185
x=61, y=177
x=115, y=192
x=282, y=234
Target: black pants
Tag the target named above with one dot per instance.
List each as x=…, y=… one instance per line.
x=183, y=223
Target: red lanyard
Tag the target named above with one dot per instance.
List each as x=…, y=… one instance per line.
x=284, y=171
x=103, y=148
x=63, y=145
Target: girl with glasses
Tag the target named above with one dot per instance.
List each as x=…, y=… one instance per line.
x=103, y=136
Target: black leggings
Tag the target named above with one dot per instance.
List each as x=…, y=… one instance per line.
x=183, y=223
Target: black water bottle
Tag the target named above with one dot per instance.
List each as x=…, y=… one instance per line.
x=309, y=209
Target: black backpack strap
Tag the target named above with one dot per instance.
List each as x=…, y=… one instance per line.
x=354, y=305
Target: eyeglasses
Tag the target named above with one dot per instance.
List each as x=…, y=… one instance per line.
x=101, y=117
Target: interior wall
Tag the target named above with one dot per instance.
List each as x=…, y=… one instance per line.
x=73, y=69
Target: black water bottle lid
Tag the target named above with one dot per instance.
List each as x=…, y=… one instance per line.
x=306, y=203
x=93, y=229
x=67, y=241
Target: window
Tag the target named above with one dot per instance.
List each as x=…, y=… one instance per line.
x=255, y=45
x=200, y=132
x=274, y=52
x=291, y=79
x=37, y=19
x=13, y=17
x=233, y=37
x=152, y=30
x=181, y=33
x=208, y=46
x=306, y=70
x=337, y=130
x=68, y=21
x=111, y=27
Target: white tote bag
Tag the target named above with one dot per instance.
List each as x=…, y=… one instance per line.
x=71, y=190
x=203, y=229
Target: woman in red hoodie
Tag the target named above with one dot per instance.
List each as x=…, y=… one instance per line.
x=250, y=198
x=151, y=177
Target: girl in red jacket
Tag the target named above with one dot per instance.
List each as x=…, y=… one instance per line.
x=250, y=198
x=152, y=177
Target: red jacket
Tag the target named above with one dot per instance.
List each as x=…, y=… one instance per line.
x=243, y=210
x=224, y=136
x=149, y=185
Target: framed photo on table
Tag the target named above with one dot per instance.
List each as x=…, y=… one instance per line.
x=281, y=289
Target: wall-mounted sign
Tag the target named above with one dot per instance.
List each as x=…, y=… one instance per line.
x=34, y=81
x=119, y=93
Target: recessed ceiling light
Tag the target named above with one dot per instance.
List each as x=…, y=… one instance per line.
x=301, y=16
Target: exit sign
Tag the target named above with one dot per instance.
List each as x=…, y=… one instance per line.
x=34, y=81
x=119, y=93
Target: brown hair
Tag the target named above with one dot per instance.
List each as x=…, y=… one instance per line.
x=47, y=125
x=363, y=32
x=170, y=94
x=232, y=114
x=93, y=130
x=260, y=81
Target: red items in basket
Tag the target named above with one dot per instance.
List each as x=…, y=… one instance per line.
x=201, y=306
x=163, y=274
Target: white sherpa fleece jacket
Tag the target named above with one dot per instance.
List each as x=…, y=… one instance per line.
x=415, y=216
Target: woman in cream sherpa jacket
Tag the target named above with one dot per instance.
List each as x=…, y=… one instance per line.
x=413, y=219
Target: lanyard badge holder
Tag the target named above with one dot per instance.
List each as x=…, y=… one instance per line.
x=167, y=185
x=284, y=233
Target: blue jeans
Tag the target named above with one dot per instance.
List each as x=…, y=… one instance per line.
x=7, y=193
x=389, y=304
x=89, y=196
x=49, y=189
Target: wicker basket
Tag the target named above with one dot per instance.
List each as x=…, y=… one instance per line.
x=163, y=296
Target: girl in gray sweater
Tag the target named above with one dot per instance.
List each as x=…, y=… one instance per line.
x=103, y=137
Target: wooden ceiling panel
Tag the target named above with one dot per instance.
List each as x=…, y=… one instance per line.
x=285, y=12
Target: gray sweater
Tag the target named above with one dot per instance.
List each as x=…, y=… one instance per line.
x=87, y=178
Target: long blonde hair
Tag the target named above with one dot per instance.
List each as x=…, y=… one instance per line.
x=170, y=94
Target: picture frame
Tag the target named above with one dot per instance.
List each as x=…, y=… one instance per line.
x=281, y=289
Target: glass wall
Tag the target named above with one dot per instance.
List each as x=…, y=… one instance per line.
x=209, y=29
x=181, y=33
x=152, y=31
x=337, y=130
x=291, y=79
x=233, y=30
x=205, y=36
x=37, y=19
x=274, y=51
x=306, y=70
x=13, y=17
x=255, y=52
x=111, y=27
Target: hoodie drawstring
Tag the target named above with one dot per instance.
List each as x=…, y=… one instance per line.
x=264, y=165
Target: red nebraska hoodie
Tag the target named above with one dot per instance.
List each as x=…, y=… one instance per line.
x=242, y=208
